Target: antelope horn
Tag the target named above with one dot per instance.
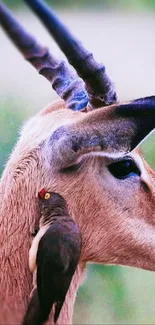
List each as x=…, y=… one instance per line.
x=65, y=82
x=100, y=88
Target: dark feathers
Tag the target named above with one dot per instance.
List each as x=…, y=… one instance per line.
x=33, y=315
x=57, y=258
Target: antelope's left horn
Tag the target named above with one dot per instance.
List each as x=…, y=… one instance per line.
x=100, y=88
x=64, y=81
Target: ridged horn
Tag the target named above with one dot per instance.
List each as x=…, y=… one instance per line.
x=100, y=88
x=65, y=82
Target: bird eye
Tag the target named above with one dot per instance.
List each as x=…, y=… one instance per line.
x=47, y=196
x=123, y=169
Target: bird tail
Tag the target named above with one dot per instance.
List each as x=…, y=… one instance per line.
x=33, y=315
x=58, y=307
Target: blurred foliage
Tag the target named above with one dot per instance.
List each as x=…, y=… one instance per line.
x=106, y=291
x=124, y=4
x=148, y=150
x=12, y=114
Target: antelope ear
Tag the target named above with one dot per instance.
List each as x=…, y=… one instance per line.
x=112, y=130
x=142, y=113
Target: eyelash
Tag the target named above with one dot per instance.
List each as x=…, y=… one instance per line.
x=72, y=169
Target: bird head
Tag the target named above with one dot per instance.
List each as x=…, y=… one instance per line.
x=51, y=202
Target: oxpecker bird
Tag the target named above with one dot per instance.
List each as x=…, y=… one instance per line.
x=53, y=257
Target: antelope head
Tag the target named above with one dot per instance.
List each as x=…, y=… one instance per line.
x=84, y=147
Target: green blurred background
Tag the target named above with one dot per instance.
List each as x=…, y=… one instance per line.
x=121, y=33
x=120, y=4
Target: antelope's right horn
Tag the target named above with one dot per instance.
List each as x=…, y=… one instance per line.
x=100, y=88
x=65, y=82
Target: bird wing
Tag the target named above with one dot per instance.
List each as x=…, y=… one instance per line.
x=56, y=264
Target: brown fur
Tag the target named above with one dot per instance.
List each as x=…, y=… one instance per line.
x=116, y=218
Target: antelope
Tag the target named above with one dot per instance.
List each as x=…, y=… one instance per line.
x=85, y=147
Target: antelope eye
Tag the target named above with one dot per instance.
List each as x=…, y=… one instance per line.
x=123, y=169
